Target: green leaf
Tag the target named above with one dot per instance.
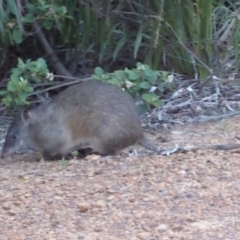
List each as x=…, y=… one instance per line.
x=160, y=87
x=120, y=74
x=17, y=36
x=139, y=65
x=133, y=75
x=7, y=100
x=37, y=79
x=28, y=89
x=95, y=77
x=61, y=10
x=115, y=81
x=3, y=93
x=42, y=3
x=43, y=71
x=47, y=24
x=151, y=76
x=41, y=62
x=164, y=75
x=69, y=17
x=145, y=85
x=31, y=8
x=158, y=103
x=28, y=62
x=148, y=72
x=33, y=67
x=16, y=72
x=29, y=18
x=14, y=79
x=98, y=71
x=21, y=64
x=22, y=97
x=149, y=97
x=11, y=87
x=128, y=71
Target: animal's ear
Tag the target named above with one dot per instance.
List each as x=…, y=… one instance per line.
x=26, y=116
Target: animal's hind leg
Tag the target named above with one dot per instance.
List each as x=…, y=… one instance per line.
x=104, y=148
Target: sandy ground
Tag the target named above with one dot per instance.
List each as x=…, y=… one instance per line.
x=183, y=196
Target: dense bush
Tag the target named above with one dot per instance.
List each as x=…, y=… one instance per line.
x=184, y=36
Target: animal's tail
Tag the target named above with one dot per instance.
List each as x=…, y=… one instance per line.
x=148, y=145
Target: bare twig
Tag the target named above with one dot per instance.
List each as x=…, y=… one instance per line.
x=218, y=117
x=60, y=68
x=221, y=147
x=59, y=85
x=205, y=82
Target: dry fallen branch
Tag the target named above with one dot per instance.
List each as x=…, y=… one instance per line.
x=221, y=147
x=218, y=100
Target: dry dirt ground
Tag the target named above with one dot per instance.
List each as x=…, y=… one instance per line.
x=183, y=196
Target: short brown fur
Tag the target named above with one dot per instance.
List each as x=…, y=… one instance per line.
x=90, y=114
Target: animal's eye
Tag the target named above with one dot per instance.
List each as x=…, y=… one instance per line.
x=14, y=136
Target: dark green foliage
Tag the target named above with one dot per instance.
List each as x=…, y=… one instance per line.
x=18, y=86
x=177, y=34
x=141, y=82
x=183, y=36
